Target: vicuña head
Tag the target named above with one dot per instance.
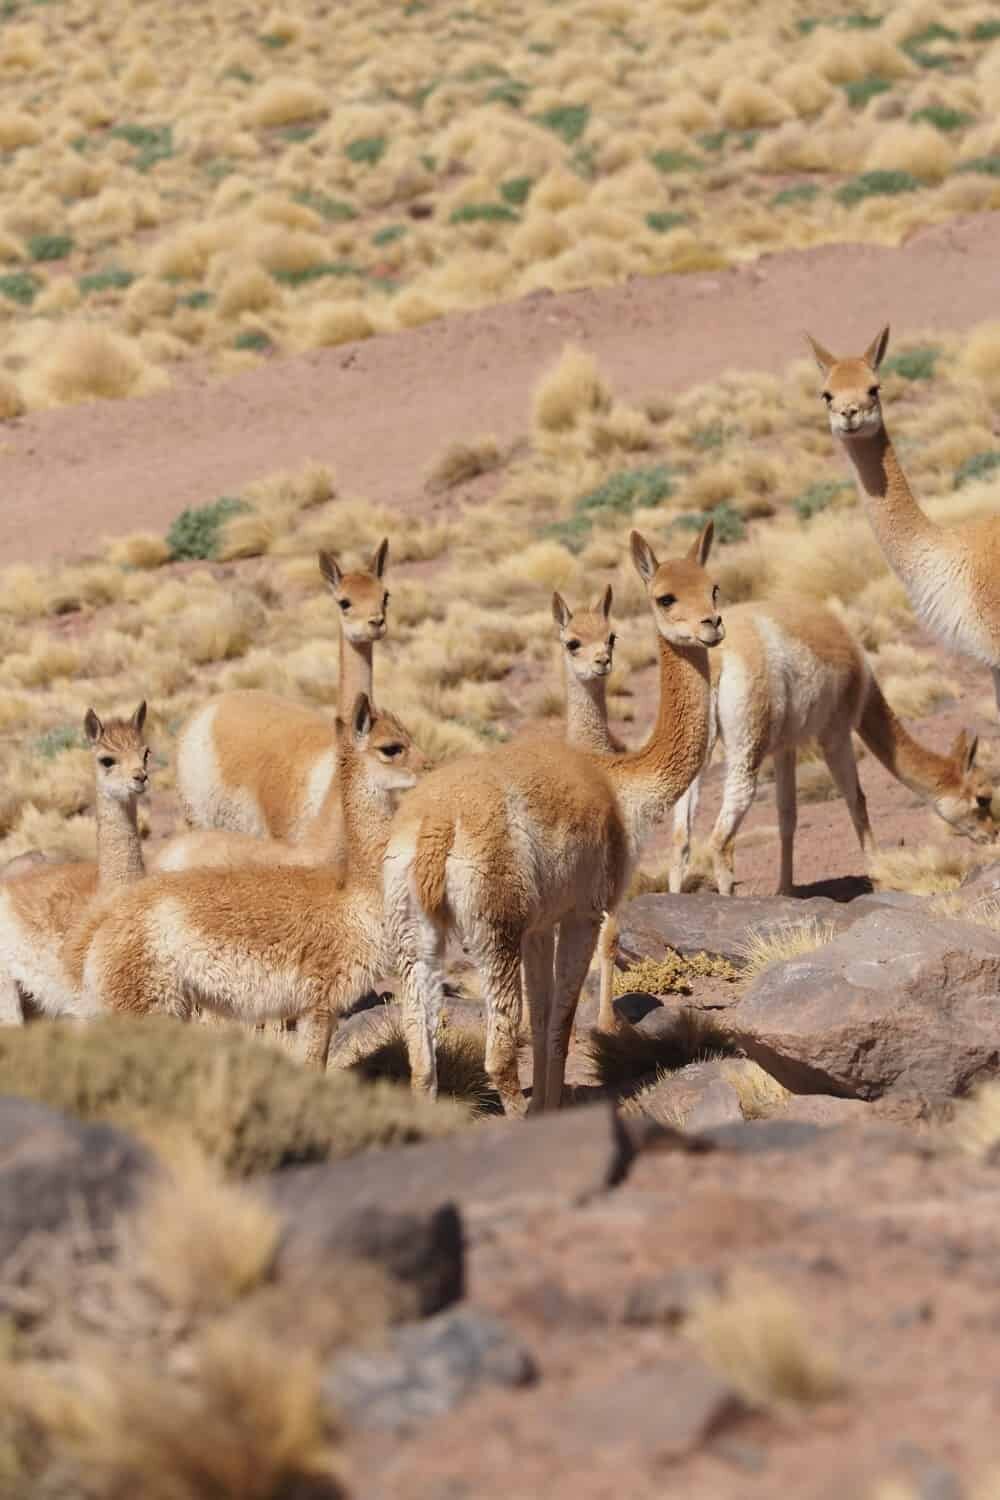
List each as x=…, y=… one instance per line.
x=683, y=596
x=373, y=748
x=121, y=754
x=587, y=639
x=362, y=597
x=965, y=799
x=851, y=387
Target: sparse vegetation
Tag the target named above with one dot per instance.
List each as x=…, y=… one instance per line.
x=629, y=1056
x=787, y=940
x=977, y=466
x=877, y=184
x=195, y=532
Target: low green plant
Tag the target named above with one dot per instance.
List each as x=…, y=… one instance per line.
x=367, y=150
x=709, y=437
x=979, y=466
x=253, y=338
x=729, y=524
x=482, y=213
x=943, y=118
x=802, y=192
x=516, y=190
x=568, y=121
x=273, y=39
x=818, y=496
x=198, y=298
x=511, y=92
x=989, y=166
x=245, y=1104
x=913, y=364
x=153, y=143
x=50, y=246
x=195, y=532
x=985, y=31
x=297, y=132
x=389, y=234
x=111, y=279
x=57, y=741
x=629, y=490
x=20, y=287
x=882, y=184
x=316, y=273
x=333, y=210
x=915, y=46
x=674, y=161
x=858, y=91
x=661, y=221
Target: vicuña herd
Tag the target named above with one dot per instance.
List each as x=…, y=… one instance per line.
x=305, y=873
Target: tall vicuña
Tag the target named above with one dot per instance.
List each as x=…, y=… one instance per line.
x=537, y=836
x=951, y=573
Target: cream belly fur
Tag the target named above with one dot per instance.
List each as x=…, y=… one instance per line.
x=206, y=799
x=35, y=965
x=941, y=583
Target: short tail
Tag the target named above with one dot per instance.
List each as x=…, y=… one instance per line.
x=434, y=844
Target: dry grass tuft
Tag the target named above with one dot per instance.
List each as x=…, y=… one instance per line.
x=756, y=1335
x=461, y=462
x=975, y=1127
x=926, y=870
x=570, y=392
x=288, y=101
x=759, y=1094
x=88, y=363
x=788, y=940
x=673, y=974
x=620, y=1059
x=143, y=549
x=461, y=1060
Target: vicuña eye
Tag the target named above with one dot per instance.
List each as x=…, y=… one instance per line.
x=828, y=397
x=666, y=600
x=873, y=391
x=385, y=600
x=107, y=761
x=715, y=594
x=345, y=604
x=392, y=750
x=984, y=802
x=573, y=647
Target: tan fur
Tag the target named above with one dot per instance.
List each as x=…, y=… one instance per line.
x=522, y=850
x=791, y=672
x=951, y=574
x=257, y=764
x=259, y=945
x=39, y=908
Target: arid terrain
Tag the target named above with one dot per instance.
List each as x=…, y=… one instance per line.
x=499, y=285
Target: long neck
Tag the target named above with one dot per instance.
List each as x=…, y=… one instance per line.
x=896, y=517
x=119, y=847
x=923, y=771
x=366, y=817
x=355, y=673
x=652, y=779
x=586, y=711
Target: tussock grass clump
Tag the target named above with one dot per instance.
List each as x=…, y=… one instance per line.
x=461, y=462
x=571, y=391
x=975, y=1125
x=673, y=974
x=788, y=940
x=461, y=1055
x=759, y=1094
x=245, y=1105
x=288, y=101
x=756, y=1335
x=90, y=363
x=621, y=1058
x=927, y=869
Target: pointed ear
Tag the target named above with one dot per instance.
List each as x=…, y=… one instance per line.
x=875, y=353
x=963, y=751
x=823, y=357
x=380, y=557
x=330, y=569
x=92, y=726
x=139, y=717
x=702, y=547
x=643, y=556
x=362, y=717
x=561, y=612
x=603, y=605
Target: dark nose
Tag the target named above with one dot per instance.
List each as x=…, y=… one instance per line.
x=142, y=777
x=377, y=621
x=714, y=620
x=850, y=411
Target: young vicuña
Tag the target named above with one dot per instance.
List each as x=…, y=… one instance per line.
x=39, y=907
x=950, y=573
x=265, y=944
x=791, y=672
x=254, y=763
x=502, y=849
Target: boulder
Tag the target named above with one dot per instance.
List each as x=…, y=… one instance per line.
x=662, y=1411
x=425, y=1370
x=57, y=1173
x=697, y=1097
x=905, y=1003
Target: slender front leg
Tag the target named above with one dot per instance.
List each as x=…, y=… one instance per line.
x=607, y=952
x=319, y=1030
x=839, y=756
x=784, y=796
x=737, y=799
x=537, y=954
x=499, y=957
x=574, y=950
x=685, y=811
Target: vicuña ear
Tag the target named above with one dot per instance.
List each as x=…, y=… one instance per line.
x=92, y=726
x=561, y=612
x=643, y=556
x=380, y=557
x=139, y=717
x=603, y=605
x=362, y=717
x=331, y=569
x=823, y=357
x=963, y=751
x=875, y=353
x=702, y=547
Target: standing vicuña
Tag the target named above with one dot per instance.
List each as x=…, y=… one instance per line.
x=951, y=573
x=39, y=908
x=502, y=849
x=259, y=764
x=792, y=672
x=257, y=945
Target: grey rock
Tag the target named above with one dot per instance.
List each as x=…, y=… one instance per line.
x=427, y=1369
x=697, y=1097
x=719, y=1104
x=665, y=1411
x=56, y=1172
x=905, y=1004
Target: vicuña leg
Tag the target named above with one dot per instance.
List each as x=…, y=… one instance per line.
x=11, y=1013
x=575, y=946
x=607, y=951
x=784, y=796
x=737, y=799
x=318, y=1030
x=537, y=957
x=420, y=965
x=996, y=685
x=499, y=959
x=838, y=753
x=685, y=811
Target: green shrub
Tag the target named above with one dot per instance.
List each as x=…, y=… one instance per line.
x=915, y=46
x=979, y=466
x=988, y=165
x=273, y=39
x=293, y=133
x=515, y=190
x=818, y=496
x=367, y=149
x=802, y=192
x=943, y=118
x=477, y=213
x=985, y=31
x=860, y=90
x=674, y=161
x=709, y=437
x=248, y=1107
x=729, y=524
x=198, y=298
x=112, y=279
x=316, y=273
x=253, y=338
x=877, y=184
x=195, y=532
x=56, y=741
x=153, y=143
x=50, y=246
x=20, y=287
x=629, y=490
x=389, y=235
x=333, y=210
x=662, y=221
x=568, y=121
x=913, y=364
x=511, y=92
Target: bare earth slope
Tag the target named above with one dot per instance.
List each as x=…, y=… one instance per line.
x=384, y=408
